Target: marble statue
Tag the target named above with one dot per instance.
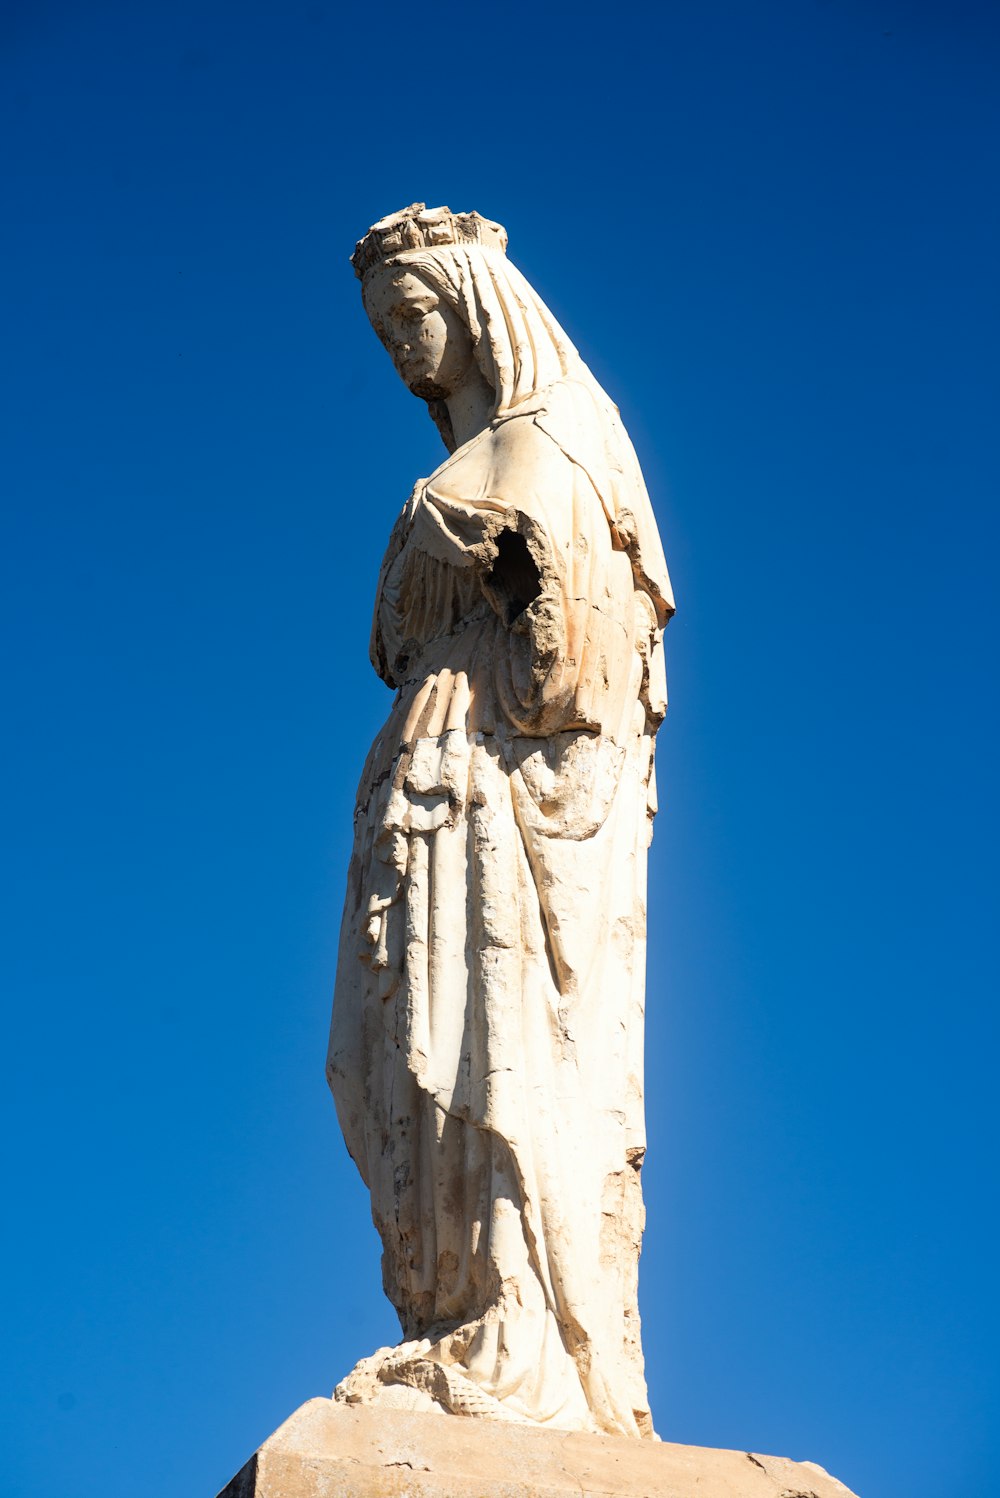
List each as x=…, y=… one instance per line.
x=486, y=1049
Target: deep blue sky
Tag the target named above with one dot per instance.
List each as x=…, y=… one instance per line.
x=772, y=230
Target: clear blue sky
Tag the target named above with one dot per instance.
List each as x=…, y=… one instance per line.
x=772, y=230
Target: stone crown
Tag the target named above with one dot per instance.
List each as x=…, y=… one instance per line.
x=421, y=228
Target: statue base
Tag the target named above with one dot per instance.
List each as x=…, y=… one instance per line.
x=330, y=1450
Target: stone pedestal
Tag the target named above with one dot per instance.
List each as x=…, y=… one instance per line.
x=328, y=1450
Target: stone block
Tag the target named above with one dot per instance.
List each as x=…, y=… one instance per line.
x=331, y=1450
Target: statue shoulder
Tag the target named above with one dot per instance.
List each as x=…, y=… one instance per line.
x=526, y=453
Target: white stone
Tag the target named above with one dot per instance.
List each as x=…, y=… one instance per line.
x=326, y=1450
x=486, y=1049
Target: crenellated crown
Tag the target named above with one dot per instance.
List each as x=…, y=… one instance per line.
x=421, y=228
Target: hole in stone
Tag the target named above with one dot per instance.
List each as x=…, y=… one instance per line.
x=515, y=577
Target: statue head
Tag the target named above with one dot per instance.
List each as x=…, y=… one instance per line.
x=419, y=316
x=448, y=304
x=449, y=307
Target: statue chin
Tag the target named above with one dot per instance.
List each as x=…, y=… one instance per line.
x=427, y=390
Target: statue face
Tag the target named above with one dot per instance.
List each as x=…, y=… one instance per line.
x=426, y=339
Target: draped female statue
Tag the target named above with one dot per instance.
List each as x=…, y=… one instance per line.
x=486, y=1044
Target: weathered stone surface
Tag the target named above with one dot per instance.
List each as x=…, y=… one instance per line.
x=328, y=1450
x=486, y=1050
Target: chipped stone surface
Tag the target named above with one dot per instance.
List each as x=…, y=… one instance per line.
x=486, y=1049
x=327, y=1450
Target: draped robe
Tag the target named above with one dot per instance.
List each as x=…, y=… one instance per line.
x=486, y=1044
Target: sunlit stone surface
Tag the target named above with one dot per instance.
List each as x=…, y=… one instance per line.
x=486, y=1046
x=327, y=1450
